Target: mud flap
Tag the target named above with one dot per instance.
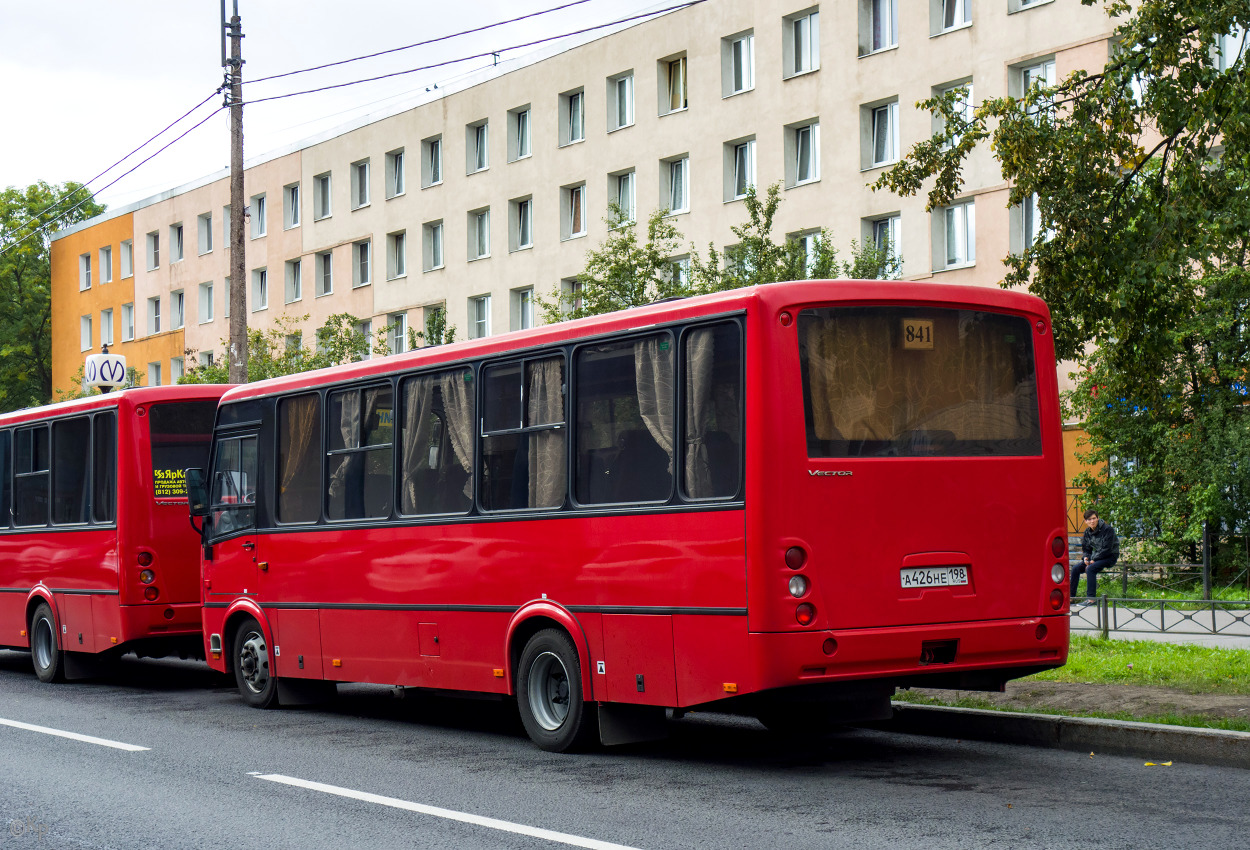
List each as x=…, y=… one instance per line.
x=304, y=691
x=631, y=724
x=85, y=665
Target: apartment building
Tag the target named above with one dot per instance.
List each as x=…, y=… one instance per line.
x=479, y=196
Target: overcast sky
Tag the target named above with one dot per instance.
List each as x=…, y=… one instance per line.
x=90, y=80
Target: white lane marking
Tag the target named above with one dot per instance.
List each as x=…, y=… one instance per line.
x=73, y=736
x=448, y=814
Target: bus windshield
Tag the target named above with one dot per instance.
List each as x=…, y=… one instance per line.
x=917, y=382
x=180, y=434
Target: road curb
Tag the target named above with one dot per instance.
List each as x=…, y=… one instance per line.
x=1154, y=741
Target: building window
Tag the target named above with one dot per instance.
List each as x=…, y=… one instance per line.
x=177, y=309
x=479, y=317
x=950, y=15
x=963, y=106
x=321, y=197
x=177, y=368
x=884, y=134
x=260, y=289
x=573, y=211
x=325, y=273
x=739, y=168
x=519, y=145
x=432, y=249
x=206, y=302
x=1028, y=226
x=106, y=265
x=673, y=85
x=361, y=258
x=737, y=64
x=204, y=233
x=521, y=224
x=365, y=329
x=154, y=251
x=226, y=223
x=802, y=151
x=294, y=289
x=621, y=190
x=256, y=208
x=290, y=206
x=397, y=324
x=800, y=45
x=479, y=234
x=84, y=333
x=395, y=173
x=1035, y=75
x=175, y=243
x=477, y=147
x=397, y=254
x=885, y=236
x=106, y=327
x=128, y=322
x=620, y=101
x=680, y=271
x=206, y=358
x=154, y=374
x=959, y=235
x=84, y=271
x=360, y=184
x=154, y=315
x=572, y=117
x=675, y=186
x=1230, y=48
x=522, y=308
x=878, y=25
x=128, y=258
x=432, y=161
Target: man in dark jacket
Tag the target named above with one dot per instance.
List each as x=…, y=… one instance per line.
x=1100, y=549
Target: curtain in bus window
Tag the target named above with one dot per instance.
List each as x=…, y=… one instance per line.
x=545, y=406
x=6, y=468
x=71, y=452
x=434, y=463
x=30, y=476
x=104, y=467
x=653, y=362
x=909, y=382
x=360, y=454
x=713, y=444
x=299, y=473
x=457, y=390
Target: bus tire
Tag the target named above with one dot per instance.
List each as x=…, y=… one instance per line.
x=47, y=657
x=253, y=667
x=549, y=694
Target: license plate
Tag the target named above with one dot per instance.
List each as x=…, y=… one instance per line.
x=935, y=576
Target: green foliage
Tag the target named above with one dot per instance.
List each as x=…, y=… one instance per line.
x=1142, y=174
x=26, y=285
x=437, y=331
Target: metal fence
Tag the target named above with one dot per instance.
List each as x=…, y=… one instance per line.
x=1163, y=616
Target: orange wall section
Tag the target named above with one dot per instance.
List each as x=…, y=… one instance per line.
x=70, y=303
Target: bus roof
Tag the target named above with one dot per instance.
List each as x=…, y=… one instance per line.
x=132, y=396
x=769, y=296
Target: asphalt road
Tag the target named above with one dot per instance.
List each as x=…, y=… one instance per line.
x=373, y=770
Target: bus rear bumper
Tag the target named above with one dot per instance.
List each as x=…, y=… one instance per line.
x=974, y=656
x=157, y=620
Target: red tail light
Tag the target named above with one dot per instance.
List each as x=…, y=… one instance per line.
x=805, y=613
x=145, y=559
x=1056, y=599
x=796, y=557
x=1058, y=546
x=151, y=592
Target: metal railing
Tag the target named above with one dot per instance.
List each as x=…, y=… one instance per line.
x=1163, y=616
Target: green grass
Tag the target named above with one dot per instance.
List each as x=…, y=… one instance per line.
x=1192, y=720
x=1109, y=585
x=1187, y=667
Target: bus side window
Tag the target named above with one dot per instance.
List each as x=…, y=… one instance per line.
x=523, y=444
x=104, y=467
x=299, y=446
x=30, y=476
x=6, y=467
x=358, y=435
x=71, y=451
x=712, y=448
x=233, y=497
x=436, y=448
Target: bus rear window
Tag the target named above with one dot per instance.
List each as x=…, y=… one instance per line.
x=917, y=382
x=181, y=433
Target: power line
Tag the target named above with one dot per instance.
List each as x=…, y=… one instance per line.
x=476, y=55
x=5, y=249
x=425, y=43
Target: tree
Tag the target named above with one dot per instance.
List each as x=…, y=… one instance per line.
x=1140, y=176
x=437, y=331
x=28, y=218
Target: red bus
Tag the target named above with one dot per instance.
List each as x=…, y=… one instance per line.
x=96, y=555
x=784, y=501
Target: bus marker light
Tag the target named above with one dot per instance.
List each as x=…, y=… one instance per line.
x=1056, y=599
x=145, y=559
x=151, y=592
x=147, y=576
x=798, y=586
x=730, y=687
x=1040, y=631
x=796, y=557
x=23, y=633
x=1056, y=573
x=498, y=671
x=216, y=656
x=169, y=613
x=112, y=640
x=1058, y=546
x=338, y=662
x=829, y=647
x=785, y=318
x=805, y=613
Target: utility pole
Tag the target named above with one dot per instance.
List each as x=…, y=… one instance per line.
x=237, y=353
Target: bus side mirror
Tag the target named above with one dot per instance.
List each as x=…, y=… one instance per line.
x=197, y=493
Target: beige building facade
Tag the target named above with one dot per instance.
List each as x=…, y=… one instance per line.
x=485, y=193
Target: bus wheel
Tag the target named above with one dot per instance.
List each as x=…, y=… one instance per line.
x=252, y=672
x=49, y=665
x=549, y=694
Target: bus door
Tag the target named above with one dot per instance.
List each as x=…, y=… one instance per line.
x=231, y=521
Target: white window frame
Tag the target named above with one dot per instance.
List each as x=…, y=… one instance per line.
x=431, y=161
x=521, y=226
x=950, y=15
x=397, y=337
x=479, y=234
x=477, y=146
x=154, y=374
x=360, y=178
x=154, y=250
x=256, y=210
x=674, y=82
x=432, y=245
x=520, y=133
x=154, y=315
x=325, y=274
x=84, y=272
x=105, y=273
x=738, y=63
x=573, y=211
x=128, y=258
x=106, y=326
x=177, y=244
x=620, y=101
x=883, y=134
x=890, y=228
x=800, y=42
x=397, y=255
x=205, y=314
x=675, y=179
x=802, y=146
x=260, y=289
x=323, y=196
x=1230, y=45
x=204, y=233
x=177, y=368
x=739, y=168
x=572, y=117
x=479, y=316
x=128, y=322
x=395, y=176
x=623, y=189
x=362, y=263
x=878, y=26
x=958, y=231
x=290, y=206
x=293, y=280
x=966, y=101
x=522, y=308
x=177, y=310
x=84, y=332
